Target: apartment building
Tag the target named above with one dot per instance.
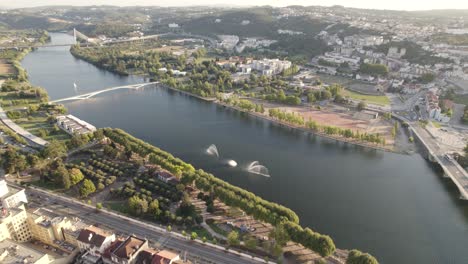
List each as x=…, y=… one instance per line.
x=47, y=226
x=11, y=196
x=13, y=216
x=14, y=224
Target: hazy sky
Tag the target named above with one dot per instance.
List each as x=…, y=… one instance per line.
x=378, y=4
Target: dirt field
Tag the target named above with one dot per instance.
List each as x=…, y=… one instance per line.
x=6, y=68
x=341, y=117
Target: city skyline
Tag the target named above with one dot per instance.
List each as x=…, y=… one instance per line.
x=394, y=5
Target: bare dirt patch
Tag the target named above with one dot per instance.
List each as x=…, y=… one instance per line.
x=338, y=116
x=6, y=68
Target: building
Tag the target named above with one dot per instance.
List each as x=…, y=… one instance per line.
x=395, y=52
x=12, y=252
x=165, y=257
x=167, y=177
x=228, y=42
x=126, y=252
x=270, y=66
x=13, y=216
x=11, y=196
x=146, y=256
x=94, y=240
x=73, y=125
x=47, y=226
x=14, y=224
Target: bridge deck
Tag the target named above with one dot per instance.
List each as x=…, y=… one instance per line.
x=91, y=94
x=451, y=168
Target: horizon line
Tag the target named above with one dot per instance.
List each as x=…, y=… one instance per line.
x=232, y=6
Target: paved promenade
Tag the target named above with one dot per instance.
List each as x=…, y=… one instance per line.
x=37, y=141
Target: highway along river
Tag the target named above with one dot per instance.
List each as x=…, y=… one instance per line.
x=397, y=207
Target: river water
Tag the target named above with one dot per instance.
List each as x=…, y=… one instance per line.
x=397, y=207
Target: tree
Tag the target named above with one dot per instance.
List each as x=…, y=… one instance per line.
x=427, y=77
x=361, y=106
x=193, y=236
x=54, y=149
x=98, y=206
x=325, y=95
x=233, y=238
x=357, y=257
x=137, y=206
x=87, y=188
x=13, y=161
x=61, y=175
x=153, y=207
x=280, y=235
x=75, y=176
x=251, y=243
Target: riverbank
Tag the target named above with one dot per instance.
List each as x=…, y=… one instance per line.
x=285, y=124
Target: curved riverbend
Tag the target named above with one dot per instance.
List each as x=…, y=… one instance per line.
x=397, y=207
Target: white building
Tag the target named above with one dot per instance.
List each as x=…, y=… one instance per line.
x=173, y=25
x=13, y=215
x=11, y=197
x=228, y=42
x=73, y=125
x=270, y=66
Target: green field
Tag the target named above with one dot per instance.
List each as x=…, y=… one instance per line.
x=461, y=99
x=372, y=99
x=34, y=124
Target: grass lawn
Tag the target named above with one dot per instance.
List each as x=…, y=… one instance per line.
x=436, y=124
x=373, y=99
x=201, y=232
x=35, y=123
x=217, y=229
x=45, y=185
x=118, y=206
x=461, y=99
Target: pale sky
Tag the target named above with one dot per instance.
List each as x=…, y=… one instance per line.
x=374, y=4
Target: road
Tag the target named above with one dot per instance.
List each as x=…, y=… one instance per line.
x=121, y=224
x=451, y=168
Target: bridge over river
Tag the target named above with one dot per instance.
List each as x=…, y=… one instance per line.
x=438, y=154
x=92, y=94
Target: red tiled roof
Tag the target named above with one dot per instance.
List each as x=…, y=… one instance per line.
x=93, y=235
x=129, y=247
x=145, y=256
x=112, y=247
x=165, y=174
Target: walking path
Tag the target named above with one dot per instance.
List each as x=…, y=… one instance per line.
x=37, y=141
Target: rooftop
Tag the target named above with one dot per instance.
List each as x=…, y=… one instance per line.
x=93, y=235
x=129, y=247
x=13, y=252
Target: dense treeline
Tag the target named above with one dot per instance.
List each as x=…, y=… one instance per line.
x=357, y=257
x=138, y=61
x=321, y=244
x=373, y=69
x=154, y=154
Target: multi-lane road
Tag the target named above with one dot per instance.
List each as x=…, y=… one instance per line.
x=196, y=251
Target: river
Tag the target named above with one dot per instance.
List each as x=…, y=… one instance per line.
x=397, y=207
